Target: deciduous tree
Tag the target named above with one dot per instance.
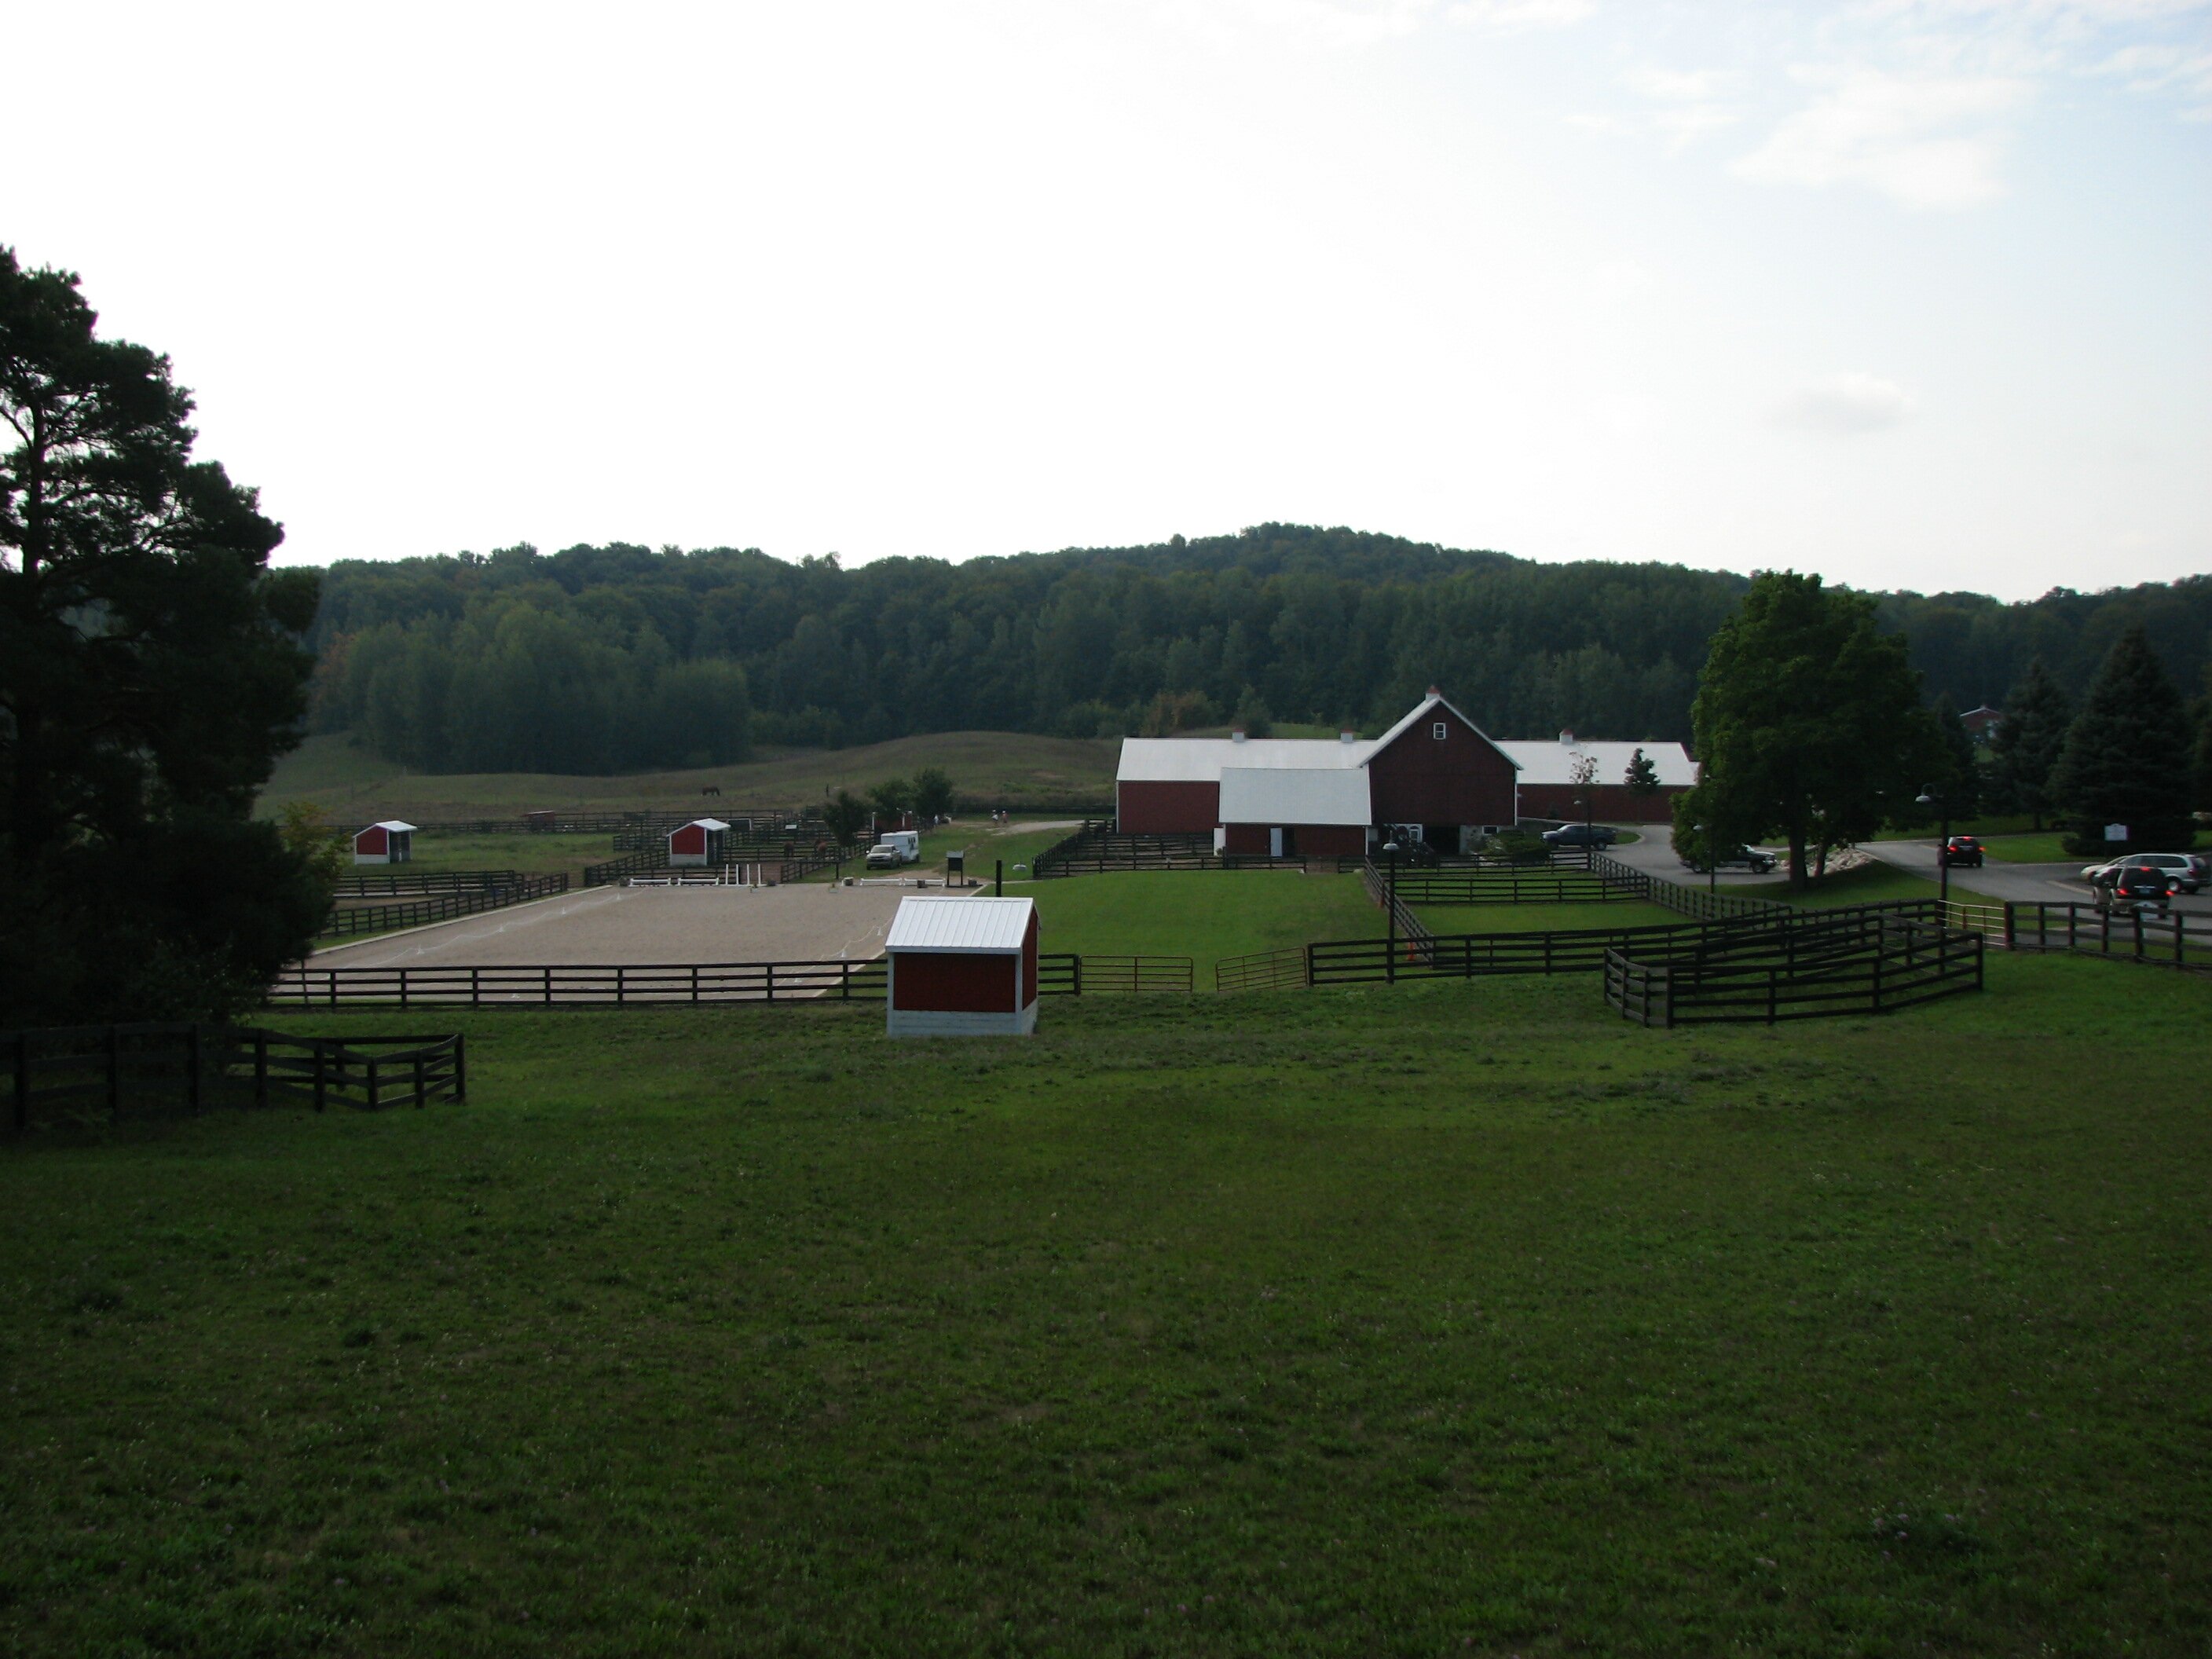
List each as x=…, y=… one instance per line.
x=150, y=673
x=1809, y=723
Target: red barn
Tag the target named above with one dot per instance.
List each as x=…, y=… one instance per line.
x=388, y=843
x=1553, y=784
x=1435, y=769
x=699, y=842
x=962, y=966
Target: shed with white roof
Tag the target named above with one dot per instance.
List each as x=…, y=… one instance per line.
x=962, y=967
x=699, y=842
x=388, y=843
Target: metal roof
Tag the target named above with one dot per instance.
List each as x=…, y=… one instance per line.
x=1546, y=760
x=1435, y=700
x=703, y=823
x=976, y=925
x=388, y=824
x=1284, y=795
x=1203, y=760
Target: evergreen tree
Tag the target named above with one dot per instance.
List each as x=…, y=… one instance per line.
x=2126, y=759
x=1642, y=776
x=1957, y=785
x=2028, y=741
x=150, y=673
x=1808, y=722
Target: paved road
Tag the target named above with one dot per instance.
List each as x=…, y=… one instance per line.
x=2020, y=883
x=1656, y=856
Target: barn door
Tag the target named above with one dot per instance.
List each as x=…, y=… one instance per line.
x=1274, y=843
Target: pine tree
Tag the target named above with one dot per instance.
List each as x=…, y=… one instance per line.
x=1959, y=787
x=2126, y=759
x=2029, y=739
x=1642, y=776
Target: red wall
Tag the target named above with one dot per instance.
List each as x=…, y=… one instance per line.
x=942, y=982
x=1463, y=780
x=1609, y=803
x=1029, y=962
x=1167, y=809
x=371, y=840
x=1318, y=840
x=689, y=839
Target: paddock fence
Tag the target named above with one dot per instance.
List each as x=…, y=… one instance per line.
x=1862, y=965
x=2177, y=940
x=349, y=921
x=401, y=882
x=59, y=1074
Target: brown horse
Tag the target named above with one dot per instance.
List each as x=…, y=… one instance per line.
x=711, y=789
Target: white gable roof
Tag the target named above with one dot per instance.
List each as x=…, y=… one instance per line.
x=704, y=823
x=1283, y=795
x=388, y=824
x=974, y=925
x=1546, y=760
x=1203, y=760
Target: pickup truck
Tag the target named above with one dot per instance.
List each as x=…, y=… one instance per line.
x=1581, y=835
x=1756, y=860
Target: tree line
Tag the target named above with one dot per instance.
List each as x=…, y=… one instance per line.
x=599, y=659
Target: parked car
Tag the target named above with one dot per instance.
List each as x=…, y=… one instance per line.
x=2131, y=885
x=2188, y=869
x=1581, y=835
x=1757, y=860
x=885, y=857
x=1962, y=853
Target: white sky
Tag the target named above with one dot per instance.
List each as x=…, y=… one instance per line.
x=1915, y=292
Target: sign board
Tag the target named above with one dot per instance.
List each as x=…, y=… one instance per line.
x=2116, y=832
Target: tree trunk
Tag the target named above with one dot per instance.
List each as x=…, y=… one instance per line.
x=1798, y=880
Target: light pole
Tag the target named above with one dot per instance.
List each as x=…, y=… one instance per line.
x=1928, y=797
x=1390, y=914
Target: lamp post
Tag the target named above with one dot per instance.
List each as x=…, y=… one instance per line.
x=1390, y=914
x=1928, y=797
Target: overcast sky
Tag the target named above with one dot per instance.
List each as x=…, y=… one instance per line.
x=1914, y=292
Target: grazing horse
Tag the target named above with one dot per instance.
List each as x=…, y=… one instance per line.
x=711, y=789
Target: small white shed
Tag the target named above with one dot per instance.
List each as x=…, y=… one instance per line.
x=699, y=842
x=388, y=843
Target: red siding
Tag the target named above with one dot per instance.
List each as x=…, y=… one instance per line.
x=1168, y=809
x=1247, y=838
x=1318, y=840
x=943, y=982
x=690, y=839
x=375, y=839
x=1614, y=803
x=1029, y=962
x=1332, y=840
x=1465, y=779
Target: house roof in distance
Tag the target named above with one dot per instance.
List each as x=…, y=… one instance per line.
x=971, y=925
x=1551, y=760
x=1282, y=794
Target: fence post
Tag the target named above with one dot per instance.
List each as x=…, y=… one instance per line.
x=374, y=1103
x=322, y=1082
x=460, y=1066
x=845, y=981
x=1079, y=975
x=2009, y=924
x=771, y=981
x=1877, y=979
x=1310, y=965
x=1667, y=978
x=418, y=1080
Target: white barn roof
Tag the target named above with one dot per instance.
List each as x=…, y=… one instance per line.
x=973, y=926
x=1547, y=760
x=702, y=823
x=1203, y=760
x=388, y=824
x=1291, y=795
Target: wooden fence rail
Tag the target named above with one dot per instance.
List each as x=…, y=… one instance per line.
x=1764, y=979
x=365, y=883
x=196, y=1067
x=353, y=920
x=2177, y=940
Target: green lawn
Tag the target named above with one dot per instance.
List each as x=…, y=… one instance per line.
x=1204, y=914
x=1870, y=883
x=2047, y=848
x=1460, y=1317
x=1535, y=917
x=533, y=855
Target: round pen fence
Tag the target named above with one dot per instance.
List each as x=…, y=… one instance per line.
x=1858, y=965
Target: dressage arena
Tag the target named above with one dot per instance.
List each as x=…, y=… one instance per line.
x=636, y=927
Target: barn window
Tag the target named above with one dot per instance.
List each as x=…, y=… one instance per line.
x=1438, y=731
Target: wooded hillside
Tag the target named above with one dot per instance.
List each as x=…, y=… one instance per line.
x=610, y=657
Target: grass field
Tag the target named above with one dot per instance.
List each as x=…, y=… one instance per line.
x=1459, y=1318
x=1531, y=918
x=1006, y=768
x=2048, y=849
x=1204, y=914
x=533, y=855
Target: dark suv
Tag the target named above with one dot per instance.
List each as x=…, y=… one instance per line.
x=2125, y=889
x=1755, y=859
x=1581, y=835
x=1962, y=853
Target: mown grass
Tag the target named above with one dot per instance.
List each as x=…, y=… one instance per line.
x=2048, y=849
x=531, y=856
x=1009, y=768
x=1459, y=1317
x=1204, y=914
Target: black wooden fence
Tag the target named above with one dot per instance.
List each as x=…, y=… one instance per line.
x=351, y=920
x=1861, y=964
x=2177, y=940
x=127, y=1070
x=394, y=883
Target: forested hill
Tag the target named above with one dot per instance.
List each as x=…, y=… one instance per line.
x=607, y=658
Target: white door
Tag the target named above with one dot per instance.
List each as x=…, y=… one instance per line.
x=1274, y=843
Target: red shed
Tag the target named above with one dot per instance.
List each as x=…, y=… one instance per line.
x=388, y=843
x=962, y=966
x=699, y=842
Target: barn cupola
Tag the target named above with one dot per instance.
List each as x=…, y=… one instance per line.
x=1237, y=734
x=1347, y=735
x=1566, y=737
